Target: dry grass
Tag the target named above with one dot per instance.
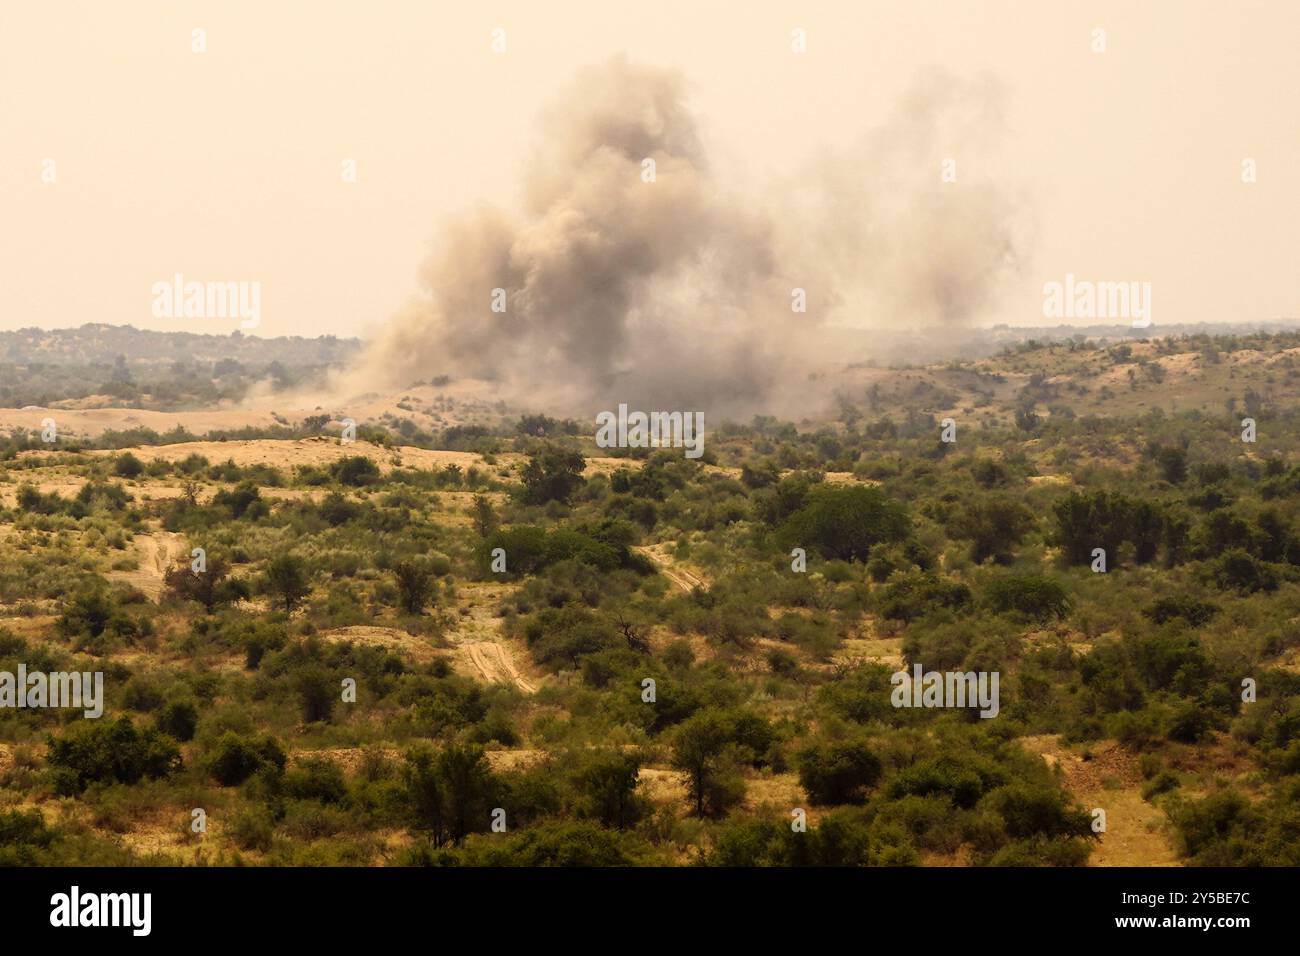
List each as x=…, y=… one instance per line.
x=1137, y=833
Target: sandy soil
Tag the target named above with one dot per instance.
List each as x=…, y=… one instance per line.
x=482, y=650
x=92, y=422
x=1136, y=832
x=663, y=786
x=428, y=406
x=36, y=627
x=406, y=645
x=843, y=478
x=510, y=761
x=306, y=451
x=676, y=572
x=884, y=650
x=157, y=552
x=496, y=664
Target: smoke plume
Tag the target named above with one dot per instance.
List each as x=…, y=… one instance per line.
x=673, y=294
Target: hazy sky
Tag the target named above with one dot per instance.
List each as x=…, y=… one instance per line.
x=226, y=165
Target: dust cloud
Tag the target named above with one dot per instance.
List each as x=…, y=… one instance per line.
x=676, y=293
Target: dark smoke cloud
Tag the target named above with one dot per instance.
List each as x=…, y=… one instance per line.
x=673, y=295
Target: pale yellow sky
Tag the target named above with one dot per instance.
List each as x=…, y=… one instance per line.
x=225, y=165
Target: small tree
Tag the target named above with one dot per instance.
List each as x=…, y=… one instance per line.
x=93, y=621
x=450, y=793
x=1034, y=596
x=700, y=750
x=128, y=466
x=636, y=641
x=609, y=788
x=206, y=587
x=89, y=615
x=1086, y=521
x=1172, y=462
x=845, y=523
x=287, y=579
x=995, y=525
x=485, y=518
x=838, y=773
x=415, y=585
x=317, y=691
x=179, y=719
x=102, y=752
x=469, y=788
x=244, y=501
x=553, y=475
x=337, y=509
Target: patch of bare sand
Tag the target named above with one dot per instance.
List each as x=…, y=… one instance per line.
x=663, y=786
x=1289, y=660
x=1136, y=832
x=456, y=403
x=6, y=757
x=93, y=422
x=394, y=639
x=348, y=759
x=496, y=664
x=778, y=794
x=882, y=650
x=607, y=466
x=63, y=487
x=512, y=761
x=314, y=495
x=167, y=832
x=847, y=478
x=156, y=553
x=36, y=626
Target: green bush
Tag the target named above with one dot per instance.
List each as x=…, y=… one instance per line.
x=355, y=471
x=844, y=522
x=838, y=772
x=128, y=466
x=316, y=778
x=179, y=718
x=25, y=840
x=102, y=752
x=234, y=758
x=1035, y=597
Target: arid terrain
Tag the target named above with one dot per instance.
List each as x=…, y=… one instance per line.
x=469, y=608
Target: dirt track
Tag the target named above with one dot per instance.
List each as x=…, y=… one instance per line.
x=677, y=573
x=493, y=661
x=481, y=648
